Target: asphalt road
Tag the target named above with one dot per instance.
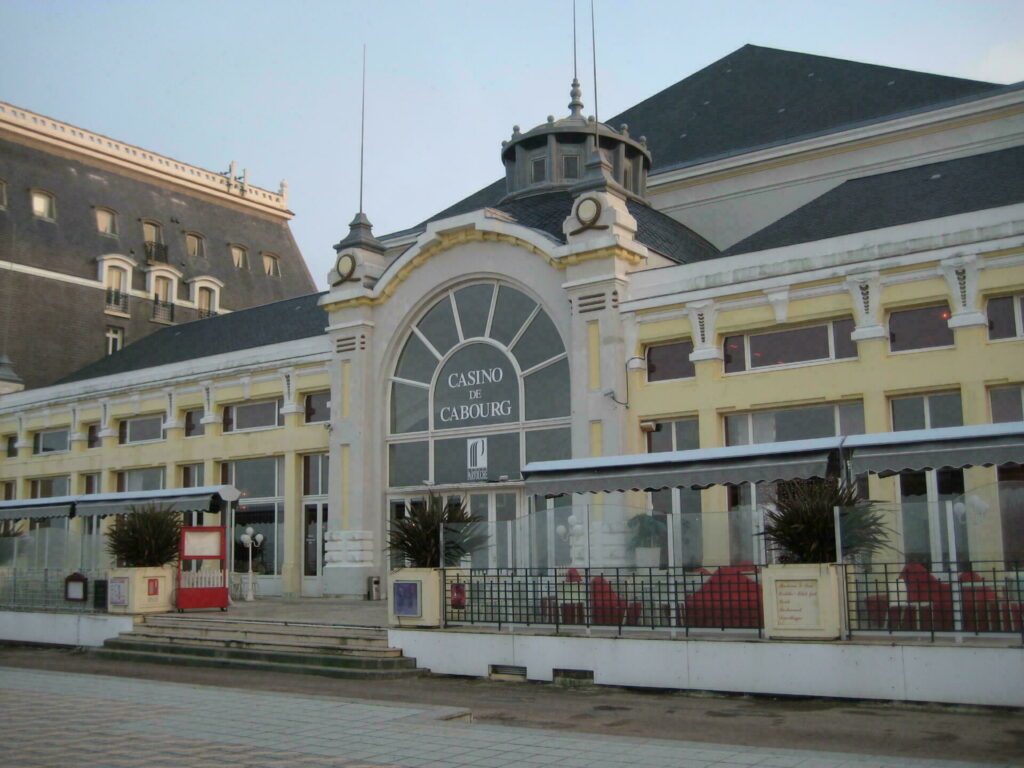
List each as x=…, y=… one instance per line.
x=865, y=728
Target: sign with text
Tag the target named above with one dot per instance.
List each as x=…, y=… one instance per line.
x=478, y=386
x=476, y=459
x=797, y=604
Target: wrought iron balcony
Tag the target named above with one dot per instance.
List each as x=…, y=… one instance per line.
x=117, y=300
x=163, y=310
x=205, y=312
x=155, y=252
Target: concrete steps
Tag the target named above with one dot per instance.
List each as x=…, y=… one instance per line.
x=314, y=649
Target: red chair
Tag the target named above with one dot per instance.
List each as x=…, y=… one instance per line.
x=934, y=598
x=729, y=599
x=980, y=604
x=606, y=607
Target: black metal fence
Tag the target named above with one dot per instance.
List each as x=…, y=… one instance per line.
x=117, y=300
x=44, y=589
x=723, y=598
x=155, y=252
x=982, y=598
x=163, y=310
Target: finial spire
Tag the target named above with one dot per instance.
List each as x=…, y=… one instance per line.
x=575, y=105
x=362, y=131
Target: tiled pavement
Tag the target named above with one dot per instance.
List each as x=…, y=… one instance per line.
x=58, y=720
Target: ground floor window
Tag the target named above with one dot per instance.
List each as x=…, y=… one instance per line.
x=266, y=518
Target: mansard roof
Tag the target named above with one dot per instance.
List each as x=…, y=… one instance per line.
x=921, y=193
x=281, y=321
x=71, y=244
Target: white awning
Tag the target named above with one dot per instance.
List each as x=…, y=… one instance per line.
x=211, y=498
x=761, y=463
x=979, y=445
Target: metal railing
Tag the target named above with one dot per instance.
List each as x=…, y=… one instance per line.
x=117, y=300
x=155, y=252
x=205, y=312
x=980, y=598
x=163, y=310
x=723, y=598
x=43, y=589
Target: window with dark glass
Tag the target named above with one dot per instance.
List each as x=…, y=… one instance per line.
x=538, y=169
x=1007, y=404
x=194, y=426
x=48, y=487
x=192, y=475
x=921, y=328
x=8, y=490
x=50, y=441
x=1006, y=317
x=682, y=505
x=258, y=415
x=790, y=346
x=92, y=436
x=801, y=423
x=318, y=407
x=315, y=474
x=11, y=446
x=91, y=483
x=670, y=361
x=143, y=429
x=571, y=166
x=142, y=479
x=932, y=411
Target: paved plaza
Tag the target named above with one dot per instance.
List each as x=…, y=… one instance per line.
x=53, y=719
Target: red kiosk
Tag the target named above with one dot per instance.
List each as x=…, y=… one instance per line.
x=204, y=587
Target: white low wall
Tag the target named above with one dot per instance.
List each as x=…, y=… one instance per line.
x=78, y=629
x=935, y=673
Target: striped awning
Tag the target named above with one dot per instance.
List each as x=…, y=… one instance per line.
x=210, y=498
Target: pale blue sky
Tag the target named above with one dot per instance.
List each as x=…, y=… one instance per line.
x=275, y=85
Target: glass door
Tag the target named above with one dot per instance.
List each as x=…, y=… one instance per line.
x=499, y=510
x=314, y=525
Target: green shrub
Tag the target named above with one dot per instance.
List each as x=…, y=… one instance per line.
x=416, y=537
x=148, y=537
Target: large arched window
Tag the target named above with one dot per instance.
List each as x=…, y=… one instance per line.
x=481, y=386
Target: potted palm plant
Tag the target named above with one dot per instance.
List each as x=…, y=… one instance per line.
x=802, y=590
x=144, y=546
x=415, y=540
x=648, y=533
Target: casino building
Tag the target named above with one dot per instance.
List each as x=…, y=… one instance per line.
x=778, y=247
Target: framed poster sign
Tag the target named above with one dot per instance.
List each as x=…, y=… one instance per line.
x=117, y=591
x=407, y=598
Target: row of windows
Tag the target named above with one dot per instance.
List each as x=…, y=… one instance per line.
x=910, y=329
x=44, y=206
x=255, y=478
x=260, y=414
x=117, y=291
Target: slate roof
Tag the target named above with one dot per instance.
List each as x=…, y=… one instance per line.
x=924, y=192
x=288, y=320
x=757, y=97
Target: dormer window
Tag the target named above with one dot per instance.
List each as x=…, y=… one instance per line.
x=239, y=257
x=538, y=170
x=152, y=232
x=44, y=205
x=571, y=167
x=271, y=265
x=153, y=242
x=206, y=301
x=194, y=245
x=106, y=221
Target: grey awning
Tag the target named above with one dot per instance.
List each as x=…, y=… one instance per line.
x=56, y=506
x=982, y=445
x=207, y=498
x=210, y=497
x=763, y=463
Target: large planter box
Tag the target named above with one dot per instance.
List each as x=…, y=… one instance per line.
x=801, y=602
x=140, y=590
x=414, y=597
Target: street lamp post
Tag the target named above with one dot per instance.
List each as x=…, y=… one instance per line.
x=250, y=540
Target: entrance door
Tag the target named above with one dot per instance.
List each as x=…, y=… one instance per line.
x=314, y=524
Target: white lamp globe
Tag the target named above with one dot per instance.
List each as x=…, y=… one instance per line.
x=259, y=539
x=249, y=531
x=246, y=539
x=561, y=531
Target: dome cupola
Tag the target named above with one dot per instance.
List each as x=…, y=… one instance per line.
x=559, y=153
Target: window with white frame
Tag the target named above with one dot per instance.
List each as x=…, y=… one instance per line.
x=1007, y=403
x=163, y=289
x=50, y=441
x=116, y=283
x=239, y=257
x=1006, y=317
x=271, y=265
x=44, y=205
x=192, y=475
x=7, y=490
x=685, y=544
x=141, y=479
x=194, y=426
x=92, y=436
x=115, y=339
x=923, y=493
x=106, y=221
x=91, y=483
x=315, y=474
x=152, y=232
x=11, y=446
x=48, y=487
x=791, y=346
x=670, y=361
x=261, y=484
x=258, y=415
x=920, y=328
x=142, y=429
x=195, y=246
x=206, y=301
x=318, y=407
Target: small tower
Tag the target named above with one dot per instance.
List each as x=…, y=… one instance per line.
x=360, y=256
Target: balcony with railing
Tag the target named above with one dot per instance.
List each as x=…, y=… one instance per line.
x=205, y=312
x=117, y=301
x=156, y=253
x=163, y=311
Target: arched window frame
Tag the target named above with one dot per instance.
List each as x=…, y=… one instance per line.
x=239, y=256
x=42, y=194
x=271, y=264
x=99, y=212
x=200, y=249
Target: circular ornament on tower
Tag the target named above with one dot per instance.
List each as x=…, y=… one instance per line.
x=588, y=211
x=345, y=266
